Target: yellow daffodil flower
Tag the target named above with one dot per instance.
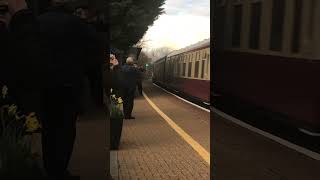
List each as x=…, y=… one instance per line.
x=32, y=123
x=12, y=110
x=120, y=101
x=4, y=91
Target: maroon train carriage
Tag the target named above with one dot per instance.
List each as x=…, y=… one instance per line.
x=186, y=71
x=270, y=56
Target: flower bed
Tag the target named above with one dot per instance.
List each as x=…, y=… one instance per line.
x=17, y=134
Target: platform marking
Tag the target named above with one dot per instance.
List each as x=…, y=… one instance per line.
x=309, y=133
x=302, y=150
x=194, y=144
x=207, y=110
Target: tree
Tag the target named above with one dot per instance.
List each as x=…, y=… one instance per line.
x=130, y=19
x=143, y=59
x=158, y=53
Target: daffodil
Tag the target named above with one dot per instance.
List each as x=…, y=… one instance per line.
x=120, y=101
x=12, y=110
x=32, y=123
x=4, y=91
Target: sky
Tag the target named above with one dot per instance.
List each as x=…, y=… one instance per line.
x=184, y=22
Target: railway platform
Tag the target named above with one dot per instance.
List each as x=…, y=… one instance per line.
x=169, y=139
x=152, y=147
x=243, y=152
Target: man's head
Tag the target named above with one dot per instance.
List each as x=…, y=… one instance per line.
x=87, y=14
x=82, y=12
x=4, y=12
x=112, y=56
x=129, y=61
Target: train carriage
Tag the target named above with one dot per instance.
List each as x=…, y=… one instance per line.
x=268, y=55
x=186, y=71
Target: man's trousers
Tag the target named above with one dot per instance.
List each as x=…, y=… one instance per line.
x=58, y=116
x=128, y=102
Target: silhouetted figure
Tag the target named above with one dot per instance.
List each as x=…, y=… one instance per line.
x=47, y=61
x=114, y=75
x=4, y=49
x=73, y=51
x=129, y=75
x=140, y=79
x=20, y=56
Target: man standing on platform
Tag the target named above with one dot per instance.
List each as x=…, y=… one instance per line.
x=73, y=51
x=51, y=57
x=140, y=79
x=130, y=75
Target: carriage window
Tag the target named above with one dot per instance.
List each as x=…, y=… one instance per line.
x=255, y=25
x=184, y=69
x=189, y=69
x=208, y=64
x=296, y=27
x=237, y=21
x=220, y=26
x=196, y=69
x=176, y=68
x=277, y=25
x=171, y=69
x=202, y=68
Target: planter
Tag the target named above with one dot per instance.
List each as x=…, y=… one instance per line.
x=115, y=132
x=17, y=160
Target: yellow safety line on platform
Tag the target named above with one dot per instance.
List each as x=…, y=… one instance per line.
x=194, y=144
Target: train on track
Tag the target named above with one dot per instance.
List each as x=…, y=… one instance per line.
x=268, y=55
x=186, y=72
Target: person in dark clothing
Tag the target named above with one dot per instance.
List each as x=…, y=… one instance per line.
x=130, y=75
x=51, y=55
x=140, y=79
x=4, y=34
x=4, y=51
x=20, y=55
x=45, y=62
x=73, y=51
x=114, y=75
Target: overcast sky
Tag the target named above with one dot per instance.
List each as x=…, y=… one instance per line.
x=184, y=22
